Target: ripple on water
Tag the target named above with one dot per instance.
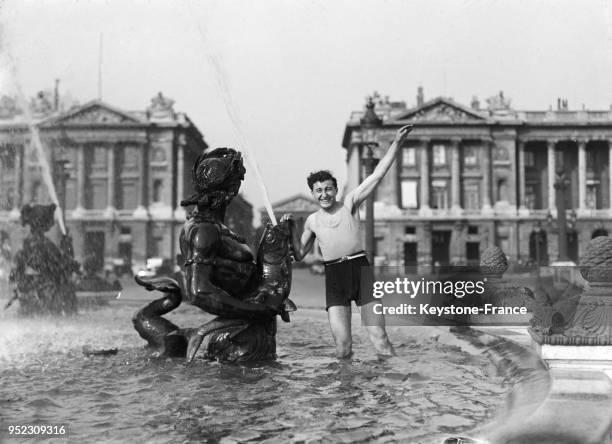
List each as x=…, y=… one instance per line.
x=431, y=390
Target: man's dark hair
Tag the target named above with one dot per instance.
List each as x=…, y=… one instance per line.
x=320, y=176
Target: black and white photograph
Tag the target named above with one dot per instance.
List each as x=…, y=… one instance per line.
x=306, y=221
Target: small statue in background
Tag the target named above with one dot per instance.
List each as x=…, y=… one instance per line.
x=42, y=272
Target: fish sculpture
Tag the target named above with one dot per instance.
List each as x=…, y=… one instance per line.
x=274, y=266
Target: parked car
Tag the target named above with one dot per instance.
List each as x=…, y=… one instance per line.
x=157, y=266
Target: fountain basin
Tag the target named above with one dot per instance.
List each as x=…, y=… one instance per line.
x=95, y=298
x=442, y=383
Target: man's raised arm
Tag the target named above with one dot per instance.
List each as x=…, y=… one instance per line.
x=365, y=188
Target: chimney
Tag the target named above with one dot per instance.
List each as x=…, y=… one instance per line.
x=475, y=103
x=420, y=96
x=558, y=103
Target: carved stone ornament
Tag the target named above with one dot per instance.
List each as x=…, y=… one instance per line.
x=442, y=112
x=159, y=155
x=596, y=264
x=161, y=107
x=500, y=154
x=97, y=114
x=493, y=262
x=8, y=107
x=499, y=102
x=41, y=104
x=586, y=318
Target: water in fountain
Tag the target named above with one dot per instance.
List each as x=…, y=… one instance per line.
x=221, y=77
x=442, y=384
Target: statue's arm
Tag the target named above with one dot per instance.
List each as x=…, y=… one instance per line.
x=203, y=293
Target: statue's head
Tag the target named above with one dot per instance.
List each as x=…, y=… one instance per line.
x=38, y=217
x=216, y=177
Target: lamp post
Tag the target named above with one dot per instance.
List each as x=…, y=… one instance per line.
x=538, y=246
x=369, y=123
x=562, y=182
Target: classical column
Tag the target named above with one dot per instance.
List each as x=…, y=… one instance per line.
x=141, y=211
x=610, y=174
x=582, y=175
x=111, y=177
x=424, y=207
x=179, y=212
x=80, y=185
x=486, y=177
x=552, y=204
x=521, y=177
x=455, y=176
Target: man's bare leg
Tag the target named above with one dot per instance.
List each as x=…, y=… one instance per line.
x=375, y=326
x=340, y=324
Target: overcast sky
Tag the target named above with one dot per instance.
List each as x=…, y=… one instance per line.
x=294, y=70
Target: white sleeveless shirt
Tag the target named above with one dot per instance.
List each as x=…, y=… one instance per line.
x=339, y=234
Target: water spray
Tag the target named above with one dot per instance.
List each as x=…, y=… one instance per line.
x=231, y=109
x=36, y=143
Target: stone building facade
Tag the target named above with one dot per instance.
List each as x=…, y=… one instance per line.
x=469, y=177
x=119, y=174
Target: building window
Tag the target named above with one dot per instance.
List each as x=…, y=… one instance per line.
x=439, y=194
x=439, y=155
x=127, y=196
x=409, y=157
x=409, y=194
x=7, y=199
x=590, y=160
x=7, y=159
x=530, y=196
x=591, y=197
x=529, y=159
x=100, y=158
x=472, y=253
x=471, y=197
x=410, y=230
x=472, y=229
x=470, y=156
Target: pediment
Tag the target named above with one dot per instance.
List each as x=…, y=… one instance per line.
x=299, y=203
x=441, y=110
x=94, y=113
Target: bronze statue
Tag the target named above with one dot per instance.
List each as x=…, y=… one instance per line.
x=42, y=272
x=219, y=274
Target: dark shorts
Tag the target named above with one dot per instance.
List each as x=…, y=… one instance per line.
x=343, y=283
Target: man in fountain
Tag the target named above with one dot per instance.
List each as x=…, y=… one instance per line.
x=219, y=275
x=336, y=225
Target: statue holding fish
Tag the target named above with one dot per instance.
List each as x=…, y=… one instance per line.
x=220, y=275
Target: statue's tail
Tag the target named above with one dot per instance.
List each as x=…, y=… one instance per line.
x=197, y=336
x=150, y=324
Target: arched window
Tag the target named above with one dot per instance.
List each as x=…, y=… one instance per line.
x=599, y=232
